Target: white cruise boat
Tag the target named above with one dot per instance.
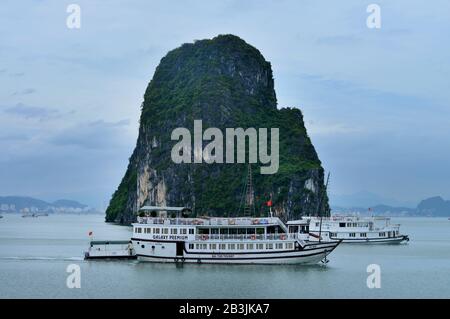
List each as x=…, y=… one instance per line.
x=355, y=229
x=242, y=240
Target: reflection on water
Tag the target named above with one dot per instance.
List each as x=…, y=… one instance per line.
x=34, y=255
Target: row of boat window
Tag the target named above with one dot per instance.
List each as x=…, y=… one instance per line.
x=164, y=231
x=350, y=224
x=242, y=246
x=207, y=231
x=382, y=234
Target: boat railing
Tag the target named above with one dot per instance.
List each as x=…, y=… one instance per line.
x=349, y=219
x=246, y=236
x=207, y=222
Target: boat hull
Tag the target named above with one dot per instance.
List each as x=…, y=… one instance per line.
x=312, y=253
x=381, y=241
x=367, y=241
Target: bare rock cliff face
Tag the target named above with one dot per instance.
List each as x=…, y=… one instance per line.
x=226, y=83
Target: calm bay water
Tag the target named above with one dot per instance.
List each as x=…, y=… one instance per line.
x=35, y=252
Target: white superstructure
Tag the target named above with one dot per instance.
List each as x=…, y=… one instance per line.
x=225, y=240
x=355, y=229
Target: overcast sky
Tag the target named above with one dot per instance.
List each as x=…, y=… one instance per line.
x=376, y=102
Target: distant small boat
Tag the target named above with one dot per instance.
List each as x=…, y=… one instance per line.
x=34, y=215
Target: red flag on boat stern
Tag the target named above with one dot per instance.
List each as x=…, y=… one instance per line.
x=269, y=203
x=90, y=233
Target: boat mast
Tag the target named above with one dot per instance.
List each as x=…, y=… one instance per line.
x=319, y=206
x=270, y=207
x=137, y=193
x=248, y=195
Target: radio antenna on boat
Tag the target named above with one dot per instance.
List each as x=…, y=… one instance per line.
x=248, y=195
x=320, y=204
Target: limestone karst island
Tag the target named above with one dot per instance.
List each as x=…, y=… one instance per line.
x=226, y=83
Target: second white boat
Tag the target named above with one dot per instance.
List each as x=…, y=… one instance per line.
x=356, y=230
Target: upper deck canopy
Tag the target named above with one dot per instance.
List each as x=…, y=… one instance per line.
x=110, y=242
x=298, y=222
x=212, y=221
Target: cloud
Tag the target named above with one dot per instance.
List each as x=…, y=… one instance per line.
x=24, y=92
x=31, y=112
x=344, y=95
x=331, y=129
x=398, y=31
x=14, y=137
x=93, y=135
x=18, y=74
x=339, y=40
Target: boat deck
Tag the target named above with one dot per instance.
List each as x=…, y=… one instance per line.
x=110, y=249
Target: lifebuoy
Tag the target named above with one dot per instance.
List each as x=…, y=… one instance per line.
x=253, y=237
x=204, y=237
x=283, y=237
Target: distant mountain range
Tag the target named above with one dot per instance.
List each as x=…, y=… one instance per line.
x=23, y=204
x=436, y=206
x=431, y=207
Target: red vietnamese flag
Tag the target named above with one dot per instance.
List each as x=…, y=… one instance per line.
x=269, y=203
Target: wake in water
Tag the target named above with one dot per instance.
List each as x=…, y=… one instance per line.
x=43, y=258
